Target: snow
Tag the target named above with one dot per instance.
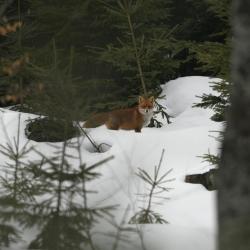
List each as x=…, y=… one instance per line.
x=190, y=209
x=180, y=94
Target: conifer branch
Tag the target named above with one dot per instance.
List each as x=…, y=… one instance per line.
x=156, y=183
x=137, y=55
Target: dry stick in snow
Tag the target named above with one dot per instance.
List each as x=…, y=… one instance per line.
x=91, y=140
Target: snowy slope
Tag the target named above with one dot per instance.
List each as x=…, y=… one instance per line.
x=191, y=209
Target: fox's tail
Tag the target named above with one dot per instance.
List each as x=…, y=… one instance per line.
x=96, y=120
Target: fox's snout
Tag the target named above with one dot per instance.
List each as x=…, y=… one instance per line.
x=146, y=105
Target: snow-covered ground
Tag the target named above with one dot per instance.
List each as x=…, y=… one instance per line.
x=190, y=209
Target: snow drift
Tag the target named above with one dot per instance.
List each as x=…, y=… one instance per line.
x=190, y=209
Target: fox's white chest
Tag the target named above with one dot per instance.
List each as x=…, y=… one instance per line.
x=146, y=118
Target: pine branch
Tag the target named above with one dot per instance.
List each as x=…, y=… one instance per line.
x=147, y=215
x=136, y=53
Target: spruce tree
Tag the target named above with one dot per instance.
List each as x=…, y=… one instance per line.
x=214, y=59
x=49, y=194
x=61, y=209
x=15, y=188
x=143, y=52
x=105, y=68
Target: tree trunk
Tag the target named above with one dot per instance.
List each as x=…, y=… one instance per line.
x=234, y=170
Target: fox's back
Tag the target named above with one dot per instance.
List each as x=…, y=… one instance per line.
x=129, y=118
x=96, y=120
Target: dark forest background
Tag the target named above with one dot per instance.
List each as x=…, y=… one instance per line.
x=79, y=54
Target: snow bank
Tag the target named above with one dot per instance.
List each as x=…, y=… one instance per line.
x=191, y=209
x=181, y=93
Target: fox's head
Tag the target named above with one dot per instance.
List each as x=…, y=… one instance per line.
x=146, y=105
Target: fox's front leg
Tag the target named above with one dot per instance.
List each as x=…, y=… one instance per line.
x=138, y=130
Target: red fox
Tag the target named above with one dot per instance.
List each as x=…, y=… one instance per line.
x=129, y=119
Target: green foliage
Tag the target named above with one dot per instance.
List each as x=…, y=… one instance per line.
x=144, y=49
x=49, y=194
x=219, y=103
x=156, y=188
x=173, y=38
x=8, y=235
x=55, y=93
x=214, y=58
x=17, y=183
x=50, y=130
x=145, y=216
x=213, y=159
x=86, y=57
x=222, y=9
x=63, y=211
x=159, y=110
x=15, y=187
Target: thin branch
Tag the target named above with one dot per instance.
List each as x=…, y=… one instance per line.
x=136, y=51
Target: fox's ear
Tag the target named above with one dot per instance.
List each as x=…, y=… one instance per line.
x=140, y=99
x=151, y=99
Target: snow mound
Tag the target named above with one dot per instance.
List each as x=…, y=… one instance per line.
x=98, y=143
x=190, y=210
x=182, y=93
